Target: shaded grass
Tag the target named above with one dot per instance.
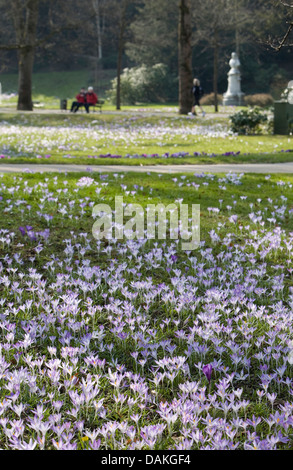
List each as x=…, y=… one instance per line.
x=48, y=86
x=145, y=161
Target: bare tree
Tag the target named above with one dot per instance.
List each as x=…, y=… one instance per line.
x=278, y=43
x=185, y=56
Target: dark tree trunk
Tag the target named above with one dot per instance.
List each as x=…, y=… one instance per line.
x=185, y=56
x=215, y=78
x=25, y=16
x=119, y=65
x=25, y=70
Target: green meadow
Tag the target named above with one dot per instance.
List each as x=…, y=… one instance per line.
x=133, y=136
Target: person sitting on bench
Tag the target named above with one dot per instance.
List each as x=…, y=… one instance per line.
x=91, y=98
x=80, y=101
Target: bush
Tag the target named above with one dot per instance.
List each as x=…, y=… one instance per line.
x=248, y=121
x=145, y=85
x=210, y=99
x=262, y=100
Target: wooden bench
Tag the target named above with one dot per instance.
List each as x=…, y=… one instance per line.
x=38, y=104
x=98, y=105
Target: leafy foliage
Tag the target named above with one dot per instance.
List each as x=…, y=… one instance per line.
x=248, y=121
x=145, y=84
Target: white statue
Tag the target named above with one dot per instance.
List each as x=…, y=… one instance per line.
x=234, y=95
x=287, y=94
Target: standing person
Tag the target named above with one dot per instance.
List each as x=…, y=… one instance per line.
x=80, y=101
x=197, y=92
x=91, y=98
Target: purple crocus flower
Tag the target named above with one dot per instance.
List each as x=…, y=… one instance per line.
x=22, y=230
x=31, y=235
x=207, y=370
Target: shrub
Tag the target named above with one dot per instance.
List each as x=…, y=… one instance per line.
x=248, y=121
x=144, y=84
x=210, y=99
x=262, y=100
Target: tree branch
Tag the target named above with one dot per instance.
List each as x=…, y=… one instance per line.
x=40, y=42
x=283, y=40
x=285, y=4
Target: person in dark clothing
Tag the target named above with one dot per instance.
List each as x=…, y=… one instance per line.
x=197, y=92
x=80, y=101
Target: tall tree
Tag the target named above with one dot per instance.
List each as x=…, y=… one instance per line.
x=122, y=13
x=184, y=56
x=154, y=32
x=97, y=5
x=25, y=16
x=122, y=23
x=217, y=27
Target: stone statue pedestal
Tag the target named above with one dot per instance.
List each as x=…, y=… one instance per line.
x=234, y=95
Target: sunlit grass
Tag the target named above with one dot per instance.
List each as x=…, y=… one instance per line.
x=133, y=137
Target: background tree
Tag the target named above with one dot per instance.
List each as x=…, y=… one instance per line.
x=262, y=69
x=155, y=34
x=238, y=25
x=25, y=17
x=122, y=24
x=74, y=35
x=31, y=34
x=218, y=24
x=285, y=40
x=184, y=56
x=122, y=14
x=98, y=7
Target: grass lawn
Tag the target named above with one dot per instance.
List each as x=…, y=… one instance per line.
x=134, y=136
x=50, y=88
x=137, y=344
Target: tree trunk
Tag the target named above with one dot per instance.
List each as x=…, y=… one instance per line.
x=237, y=37
x=119, y=64
x=215, y=78
x=25, y=16
x=96, y=7
x=122, y=26
x=185, y=56
x=99, y=48
x=25, y=70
